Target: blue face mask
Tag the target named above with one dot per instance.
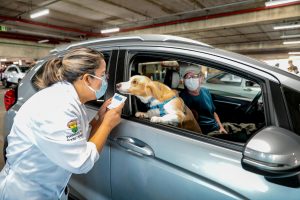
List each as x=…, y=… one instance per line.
x=101, y=91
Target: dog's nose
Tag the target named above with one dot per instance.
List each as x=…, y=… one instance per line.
x=118, y=85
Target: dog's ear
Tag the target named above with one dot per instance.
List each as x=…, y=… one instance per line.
x=159, y=91
x=154, y=89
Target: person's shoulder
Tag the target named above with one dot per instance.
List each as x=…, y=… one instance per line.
x=204, y=90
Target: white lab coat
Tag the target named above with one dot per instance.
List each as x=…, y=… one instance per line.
x=47, y=143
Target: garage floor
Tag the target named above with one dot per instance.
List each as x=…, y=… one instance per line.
x=2, y=111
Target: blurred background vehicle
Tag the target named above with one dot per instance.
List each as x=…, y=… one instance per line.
x=13, y=74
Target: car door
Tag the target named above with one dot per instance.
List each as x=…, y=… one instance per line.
x=96, y=183
x=154, y=161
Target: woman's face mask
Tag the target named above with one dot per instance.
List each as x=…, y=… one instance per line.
x=192, y=84
x=101, y=91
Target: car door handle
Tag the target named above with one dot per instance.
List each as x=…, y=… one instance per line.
x=135, y=145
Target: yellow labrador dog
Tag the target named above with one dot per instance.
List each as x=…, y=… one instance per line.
x=164, y=106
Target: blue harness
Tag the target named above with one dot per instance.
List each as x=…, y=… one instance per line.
x=160, y=106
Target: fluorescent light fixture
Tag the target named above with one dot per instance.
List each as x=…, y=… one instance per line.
x=3, y=60
x=43, y=41
x=294, y=53
x=39, y=13
x=278, y=2
x=294, y=57
x=286, y=26
x=290, y=36
x=110, y=30
x=292, y=42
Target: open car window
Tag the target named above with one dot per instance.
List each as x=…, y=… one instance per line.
x=237, y=100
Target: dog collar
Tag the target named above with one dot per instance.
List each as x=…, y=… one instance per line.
x=160, y=106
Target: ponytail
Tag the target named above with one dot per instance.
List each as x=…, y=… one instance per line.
x=72, y=66
x=51, y=74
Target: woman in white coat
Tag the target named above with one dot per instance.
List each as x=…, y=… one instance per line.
x=49, y=139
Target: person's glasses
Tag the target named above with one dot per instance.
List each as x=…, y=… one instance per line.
x=189, y=76
x=103, y=77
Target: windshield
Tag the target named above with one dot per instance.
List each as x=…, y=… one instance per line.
x=24, y=69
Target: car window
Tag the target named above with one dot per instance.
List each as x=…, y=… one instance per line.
x=24, y=69
x=12, y=69
x=239, y=108
x=225, y=79
x=230, y=85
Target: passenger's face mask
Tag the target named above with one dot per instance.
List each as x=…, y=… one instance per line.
x=192, y=84
x=101, y=91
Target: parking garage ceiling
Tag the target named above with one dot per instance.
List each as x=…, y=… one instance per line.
x=244, y=26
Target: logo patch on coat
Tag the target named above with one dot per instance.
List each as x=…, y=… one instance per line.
x=73, y=125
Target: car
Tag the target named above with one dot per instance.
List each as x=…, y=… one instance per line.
x=231, y=85
x=13, y=74
x=144, y=160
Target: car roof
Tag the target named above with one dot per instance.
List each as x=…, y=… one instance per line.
x=135, y=38
x=185, y=43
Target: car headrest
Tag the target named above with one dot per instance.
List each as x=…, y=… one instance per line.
x=172, y=79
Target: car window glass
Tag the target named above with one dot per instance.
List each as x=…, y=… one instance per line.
x=230, y=85
x=238, y=105
x=11, y=69
x=24, y=69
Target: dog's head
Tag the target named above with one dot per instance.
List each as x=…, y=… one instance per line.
x=143, y=87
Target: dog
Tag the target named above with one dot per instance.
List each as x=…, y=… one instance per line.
x=164, y=105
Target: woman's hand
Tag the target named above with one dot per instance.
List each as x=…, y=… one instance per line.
x=102, y=110
x=113, y=117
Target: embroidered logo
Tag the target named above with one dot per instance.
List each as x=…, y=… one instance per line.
x=73, y=125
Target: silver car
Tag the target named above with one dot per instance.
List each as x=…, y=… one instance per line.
x=143, y=160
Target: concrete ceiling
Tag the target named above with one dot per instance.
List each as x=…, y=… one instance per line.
x=244, y=26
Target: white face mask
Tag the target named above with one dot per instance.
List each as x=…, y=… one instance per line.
x=192, y=84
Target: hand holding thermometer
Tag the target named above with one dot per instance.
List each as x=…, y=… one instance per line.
x=116, y=101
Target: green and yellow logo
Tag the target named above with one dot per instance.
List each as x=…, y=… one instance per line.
x=73, y=126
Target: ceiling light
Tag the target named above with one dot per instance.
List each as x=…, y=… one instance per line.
x=43, y=41
x=290, y=36
x=110, y=30
x=294, y=57
x=294, y=53
x=39, y=13
x=278, y=2
x=286, y=26
x=292, y=42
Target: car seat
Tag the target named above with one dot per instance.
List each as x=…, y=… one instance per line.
x=172, y=79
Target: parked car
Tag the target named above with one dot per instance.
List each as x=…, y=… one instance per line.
x=231, y=85
x=13, y=74
x=143, y=160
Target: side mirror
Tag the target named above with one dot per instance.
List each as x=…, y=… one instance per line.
x=273, y=152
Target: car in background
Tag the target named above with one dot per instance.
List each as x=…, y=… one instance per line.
x=230, y=85
x=144, y=160
x=13, y=74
